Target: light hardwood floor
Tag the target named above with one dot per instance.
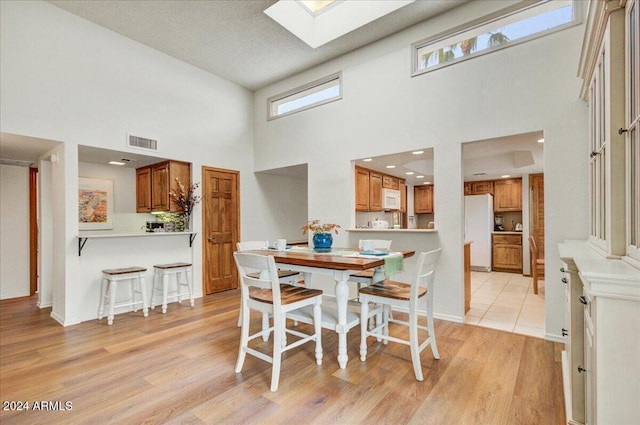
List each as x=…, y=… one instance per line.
x=179, y=368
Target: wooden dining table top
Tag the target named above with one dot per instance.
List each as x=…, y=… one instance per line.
x=327, y=260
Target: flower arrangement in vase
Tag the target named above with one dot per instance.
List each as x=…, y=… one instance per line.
x=185, y=199
x=322, y=238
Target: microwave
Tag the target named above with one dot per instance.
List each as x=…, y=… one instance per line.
x=390, y=199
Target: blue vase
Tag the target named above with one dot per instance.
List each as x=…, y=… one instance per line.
x=322, y=242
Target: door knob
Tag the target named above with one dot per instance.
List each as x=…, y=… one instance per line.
x=210, y=239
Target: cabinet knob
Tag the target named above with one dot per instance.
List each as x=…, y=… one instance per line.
x=583, y=300
x=562, y=269
x=564, y=280
x=581, y=369
x=564, y=332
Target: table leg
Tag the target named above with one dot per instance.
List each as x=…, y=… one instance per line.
x=342, y=295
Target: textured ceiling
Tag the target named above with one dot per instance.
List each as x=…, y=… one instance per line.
x=234, y=39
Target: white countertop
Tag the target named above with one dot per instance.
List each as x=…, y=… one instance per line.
x=393, y=230
x=92, y=235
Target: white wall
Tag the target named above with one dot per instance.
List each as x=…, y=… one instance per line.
x=14, y=228
x=66, y=79
x=524, y=88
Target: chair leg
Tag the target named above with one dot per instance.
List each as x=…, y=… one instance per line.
x=278, y=331
x=317, y=325
x=244, y=337
x=265, y=326
x=414, y=343
x=432, y=332
x=190, y=286
x=364, y=312
x=386, y=314
x=534, y=274
x=143, y=293
x=113, y=286
x=152, y=303
x=103, y=293
x=165, y=291
x=133, y=282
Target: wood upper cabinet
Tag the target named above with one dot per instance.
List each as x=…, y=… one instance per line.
x=375, y=191
x=402, y=187
x=508, y=195
x=362, y=189
x=423, y=199
x=389, y=182
x=153, y=184
x=479, y=188
x=507, y=253
x=143, y=189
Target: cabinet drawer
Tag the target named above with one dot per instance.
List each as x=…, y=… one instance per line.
x=507, y=239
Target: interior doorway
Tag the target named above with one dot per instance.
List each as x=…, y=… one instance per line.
x=220, y=228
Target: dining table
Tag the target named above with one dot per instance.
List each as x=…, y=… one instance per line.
x=339, y=263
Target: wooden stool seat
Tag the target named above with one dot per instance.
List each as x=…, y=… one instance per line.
x=110, y=279
x=392, y=289
x=182, y=272
x=288, y=294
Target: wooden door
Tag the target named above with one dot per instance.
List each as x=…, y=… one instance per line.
x=33, y=230
x=220, y=228
x=536, y=185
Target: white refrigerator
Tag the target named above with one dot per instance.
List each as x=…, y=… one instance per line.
x=478, y=225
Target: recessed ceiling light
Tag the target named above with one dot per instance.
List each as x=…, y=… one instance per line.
x=409, y=173
x=116, y=163
x=505, y=176
x=367, y=160
x=417, y=152
x=540, y=140
x=391, y=166
x=426, y=183
x=419, y=177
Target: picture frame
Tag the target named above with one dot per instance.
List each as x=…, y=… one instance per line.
x=95, y=204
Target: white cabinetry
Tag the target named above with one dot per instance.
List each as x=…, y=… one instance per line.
x=601, y=364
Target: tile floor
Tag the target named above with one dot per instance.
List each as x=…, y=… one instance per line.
x=506, y=301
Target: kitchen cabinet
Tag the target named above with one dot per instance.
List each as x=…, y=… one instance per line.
x=154, y=183
x=402, y=187
x=507, y=253
x=389, y=182
x=423, y=199
x=507, y=195
x=143, y=189
x=375, y=191
x=362, y=189
x=482, y=187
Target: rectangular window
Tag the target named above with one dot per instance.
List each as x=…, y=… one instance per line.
x=316, y=93
x=632, y=123
x=493, y=33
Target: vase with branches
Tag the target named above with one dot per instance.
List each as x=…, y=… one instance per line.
x=186, y=199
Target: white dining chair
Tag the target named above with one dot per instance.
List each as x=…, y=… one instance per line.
x=392, y=294
x=267, y=295
x=285, y=276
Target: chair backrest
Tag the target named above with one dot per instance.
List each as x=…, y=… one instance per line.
x=267, y=278
x=377, y=243
x=533, y=248
x=425, y=274
x=251, y=245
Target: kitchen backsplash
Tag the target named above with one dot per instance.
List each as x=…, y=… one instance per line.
x=510, y=219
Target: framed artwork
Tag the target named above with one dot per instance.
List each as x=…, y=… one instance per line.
x=95, y=204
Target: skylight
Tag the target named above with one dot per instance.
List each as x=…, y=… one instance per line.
x=319, y=22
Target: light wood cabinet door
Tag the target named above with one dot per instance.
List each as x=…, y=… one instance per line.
x=507, y=253
x=468, y=188
x=160, y=187
x=375, y=191
x=508, y=195
x=482, y=187
x=402, y=187
x=362, y=189
x=143, y=189
x=389, y=182
x=423, y=199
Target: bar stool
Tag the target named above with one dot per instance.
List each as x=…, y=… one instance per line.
x=110, y=279
x=161, y=275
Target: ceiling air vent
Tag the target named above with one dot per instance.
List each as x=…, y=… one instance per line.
x=142, y=143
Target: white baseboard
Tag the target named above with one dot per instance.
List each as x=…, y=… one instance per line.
x=61, y=320
x=554, y=338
